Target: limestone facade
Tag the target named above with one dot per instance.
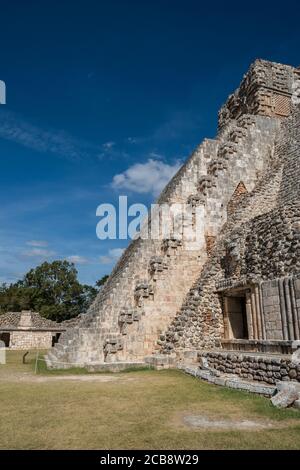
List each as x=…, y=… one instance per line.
x=241, y=281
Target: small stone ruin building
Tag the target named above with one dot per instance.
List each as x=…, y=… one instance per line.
x=234, y=299
x=28, y=330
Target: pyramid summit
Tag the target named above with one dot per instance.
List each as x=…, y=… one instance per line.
x=238, y=290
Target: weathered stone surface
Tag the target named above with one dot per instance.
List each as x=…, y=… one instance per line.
x=230, y=381
x=287, y=394
x=257, y=367
x=246, y=184
x=296, y=354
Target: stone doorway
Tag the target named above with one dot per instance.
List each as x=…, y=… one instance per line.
x=236, y=317
x=5, y=337
x=55, y=339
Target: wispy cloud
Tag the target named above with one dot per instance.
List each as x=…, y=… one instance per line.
x=108, y=145
x=77, y=259
x=37, y=243
x=39, y=253
x=156, y=156
x=112, y=256
x=58, y=142
x=150, y=177
x=132, y=140
x=112, y=150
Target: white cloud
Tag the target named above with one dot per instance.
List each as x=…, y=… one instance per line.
x=39, y=253
x=149, y=177
x=37, y=243
x=116, y=252
x=156, y=156
x=132, y=140
x=112, y=256
x=106, y=260
x=110, y=150
x=108, y=145
x=76, y=259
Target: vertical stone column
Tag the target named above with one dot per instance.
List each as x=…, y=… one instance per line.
x=296, y=288
x=258, y=312
x=289, y=314
x=262, y=316
x=249, y=315
x=271, y=310
x=285, y=331
x=254, y=314
x=294, y=309
x=226, y=318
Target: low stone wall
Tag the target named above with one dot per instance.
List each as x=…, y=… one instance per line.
x=224, y=380
x=31, y=339
x=254, y=367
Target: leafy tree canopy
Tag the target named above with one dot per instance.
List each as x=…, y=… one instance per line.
x=52, y=289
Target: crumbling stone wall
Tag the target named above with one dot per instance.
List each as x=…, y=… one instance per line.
x=254, y=367
x=272, y=246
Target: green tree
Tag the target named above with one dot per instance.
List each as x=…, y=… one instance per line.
x=55, y=290
x=52, y=289
x=14, y=297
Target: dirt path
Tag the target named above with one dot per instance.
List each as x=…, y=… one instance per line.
x=32, y=378
x=206, y=422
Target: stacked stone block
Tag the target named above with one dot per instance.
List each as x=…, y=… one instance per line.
x=262, y=368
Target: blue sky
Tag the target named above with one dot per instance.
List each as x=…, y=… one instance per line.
x=97, y=89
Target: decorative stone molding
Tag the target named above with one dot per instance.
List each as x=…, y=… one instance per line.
x=227, y=149
x=112, y=346
x=266, y=90
x=127, y=317
x=157, y=265
x=170, y=245
x=205, y=183
x=143, y=290
x=217, y=165
x=230, y=283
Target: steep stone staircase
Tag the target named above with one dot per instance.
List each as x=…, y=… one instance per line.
x=150, y=283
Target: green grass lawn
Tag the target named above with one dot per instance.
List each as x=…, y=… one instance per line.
x=133, y=410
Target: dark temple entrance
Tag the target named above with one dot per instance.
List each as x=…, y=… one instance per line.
x=55, y=339
x=236, y=317
x=5, y=337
